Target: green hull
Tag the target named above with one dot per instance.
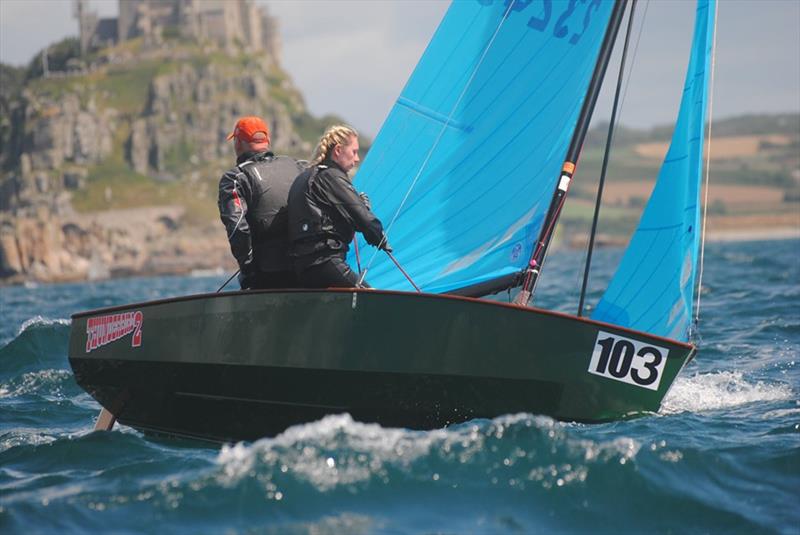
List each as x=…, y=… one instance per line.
x=243, y=365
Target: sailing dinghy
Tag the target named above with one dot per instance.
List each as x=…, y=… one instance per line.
x=471, y=169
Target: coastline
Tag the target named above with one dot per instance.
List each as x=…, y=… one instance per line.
x=756, y=234
x=717, y=235
x=199, y=266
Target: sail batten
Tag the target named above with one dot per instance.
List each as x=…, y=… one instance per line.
x=657, y=272
x=499, y=119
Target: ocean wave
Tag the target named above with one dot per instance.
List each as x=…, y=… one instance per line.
x=41, y=343
x=39, y=321
x=719, y=390
x=338, y=452
x=25, y=437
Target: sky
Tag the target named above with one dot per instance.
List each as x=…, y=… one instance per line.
x=353, y=57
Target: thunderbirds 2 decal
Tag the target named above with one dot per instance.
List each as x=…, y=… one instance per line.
x=102, y=330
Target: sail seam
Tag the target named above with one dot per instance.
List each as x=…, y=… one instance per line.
x=432, y=115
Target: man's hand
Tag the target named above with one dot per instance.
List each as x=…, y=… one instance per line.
x=384, y=245
x=247, y=271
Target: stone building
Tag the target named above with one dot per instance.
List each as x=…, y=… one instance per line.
x=94, y=32
x=226, y=22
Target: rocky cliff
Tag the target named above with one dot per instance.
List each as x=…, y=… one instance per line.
x=112, y=168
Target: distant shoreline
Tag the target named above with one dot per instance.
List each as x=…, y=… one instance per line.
x=714, y=236
x=761, y=234
x=182, y=264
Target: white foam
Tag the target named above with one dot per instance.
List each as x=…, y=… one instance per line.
x=236, y=461
x=51, y=380
x=719, y=390
x=37, y=321
x=782, y=413
x=25, y=436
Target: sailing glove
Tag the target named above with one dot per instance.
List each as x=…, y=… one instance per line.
x=247, y=272
x=384, y=245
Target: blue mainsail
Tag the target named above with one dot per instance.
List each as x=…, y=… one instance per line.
x=653, y=287
x=469, y=155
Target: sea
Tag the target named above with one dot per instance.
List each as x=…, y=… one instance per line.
x=721, y=456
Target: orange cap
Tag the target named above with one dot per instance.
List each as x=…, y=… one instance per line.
x=246, y=129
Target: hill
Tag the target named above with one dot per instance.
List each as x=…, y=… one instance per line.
x=129, y=128
x=754, y=178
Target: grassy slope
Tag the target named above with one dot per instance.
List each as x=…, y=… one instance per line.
x=113, y=184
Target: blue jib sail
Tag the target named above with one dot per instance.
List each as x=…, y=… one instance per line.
x=653, y=287
x=480, y=132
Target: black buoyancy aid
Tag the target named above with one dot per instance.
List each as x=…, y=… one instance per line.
x=325, y=211
x=270, y=178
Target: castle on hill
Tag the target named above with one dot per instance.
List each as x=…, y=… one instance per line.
x=226, y=22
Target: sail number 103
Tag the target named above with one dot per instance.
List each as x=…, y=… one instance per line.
x=629, y=361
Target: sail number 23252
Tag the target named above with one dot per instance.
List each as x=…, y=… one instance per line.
x=629, y=361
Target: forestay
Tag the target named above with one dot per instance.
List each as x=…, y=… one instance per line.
x=468, y=157
x=653, y=287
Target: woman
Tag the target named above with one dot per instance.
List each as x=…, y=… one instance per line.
x=325, y=212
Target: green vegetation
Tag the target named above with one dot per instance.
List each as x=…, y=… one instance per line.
x=127, y=187
x=113, y=184
x=126, y=88
x=311, y=128
x=770, y=165
x=177, y=156
x=58, y=56
x=123, y=88
x=749, y=125
x=12, y=80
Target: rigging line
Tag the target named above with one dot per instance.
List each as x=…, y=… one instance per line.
x=633, y=62
x=403, y=271
x=606, y=157
x=227, y=281
x=708, y=167
x=441, y=132
x=358, y=256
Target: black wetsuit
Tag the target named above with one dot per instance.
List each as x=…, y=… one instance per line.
x=324, y=213
x=252, y=206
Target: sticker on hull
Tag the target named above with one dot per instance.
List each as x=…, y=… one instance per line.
x=629, y=361
x=103, y=330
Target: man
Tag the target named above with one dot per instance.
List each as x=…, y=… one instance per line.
x=252, y=206
x=325, y=212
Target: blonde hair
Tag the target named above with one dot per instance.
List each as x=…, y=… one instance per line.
x=339, y=134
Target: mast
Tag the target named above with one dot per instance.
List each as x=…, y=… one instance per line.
x=531, y=273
